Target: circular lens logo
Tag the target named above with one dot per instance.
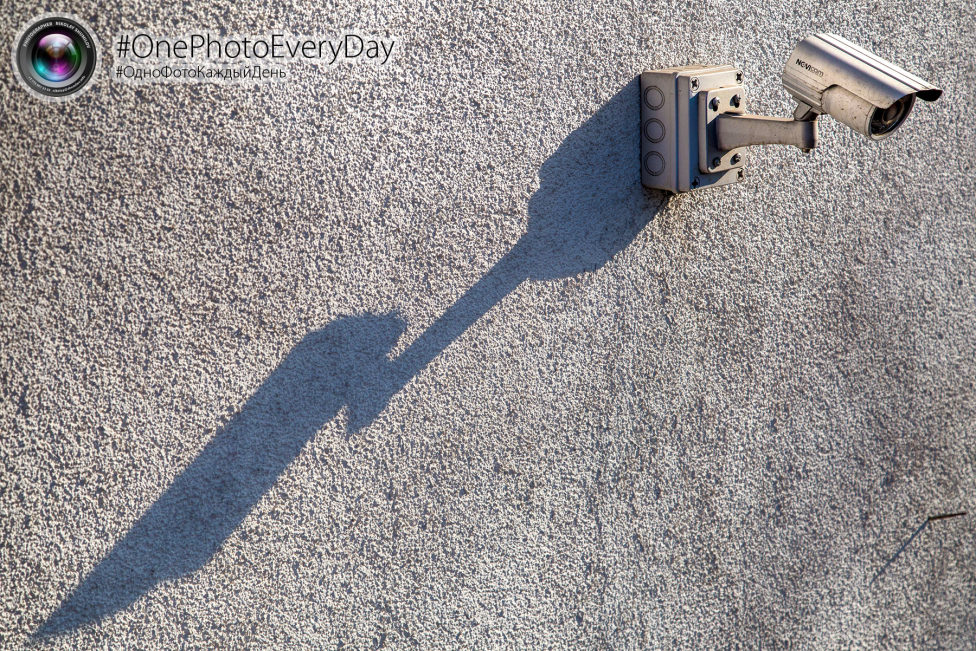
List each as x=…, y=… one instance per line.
x=55, y=56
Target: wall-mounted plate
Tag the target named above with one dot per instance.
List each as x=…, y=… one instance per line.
x=711, y=104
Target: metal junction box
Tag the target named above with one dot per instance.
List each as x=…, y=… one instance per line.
x=677, y=149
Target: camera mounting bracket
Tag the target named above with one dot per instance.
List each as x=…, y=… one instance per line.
x=695, y=132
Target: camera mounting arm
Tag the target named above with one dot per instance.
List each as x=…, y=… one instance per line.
x=742, y=130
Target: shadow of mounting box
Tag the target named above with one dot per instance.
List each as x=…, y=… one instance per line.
x=677, y=147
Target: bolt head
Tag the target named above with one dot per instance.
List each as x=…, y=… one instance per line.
x=694, y=83
x=714, y=103
x=736, y=159
x=738, y=76
x=736, y=100
x=716, y=161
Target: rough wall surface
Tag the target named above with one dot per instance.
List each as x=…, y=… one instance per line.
x=405, y=357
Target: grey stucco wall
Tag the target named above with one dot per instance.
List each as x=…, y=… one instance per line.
x=406, y=357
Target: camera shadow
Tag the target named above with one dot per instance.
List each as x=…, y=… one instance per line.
x=589, y=206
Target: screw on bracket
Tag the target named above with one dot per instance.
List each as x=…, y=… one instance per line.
x=735, y=101
x=714, y=104
x=736, y=158
x=694, y=83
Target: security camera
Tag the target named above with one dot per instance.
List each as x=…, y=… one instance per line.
x=695, y=131
x=829, y=74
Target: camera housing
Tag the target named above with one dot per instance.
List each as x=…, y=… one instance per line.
x=827, y=73
x=695, y=131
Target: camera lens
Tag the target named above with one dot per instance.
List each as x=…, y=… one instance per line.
x=56, y=56
x=886, y=120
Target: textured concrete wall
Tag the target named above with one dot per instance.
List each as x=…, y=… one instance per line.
x=405, y=357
